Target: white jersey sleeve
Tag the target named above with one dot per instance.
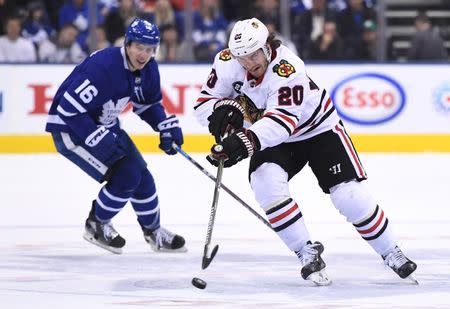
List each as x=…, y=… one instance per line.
x=225, y=71
x=295, y=108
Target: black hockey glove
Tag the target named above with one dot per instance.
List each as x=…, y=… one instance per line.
x=236, y=147
x=227, y=116
x=169, y=133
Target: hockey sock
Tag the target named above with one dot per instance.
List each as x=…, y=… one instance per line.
x=108, y=204
x=145, y=202
x=287, y=221
x=353, y=200
x=375, y=229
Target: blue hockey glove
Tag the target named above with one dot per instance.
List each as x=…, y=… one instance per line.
x=169, y=133
x=236, y=147
x=106, y=146
x=228, y=115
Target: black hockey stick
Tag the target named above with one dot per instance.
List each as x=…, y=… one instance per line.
x=207, y=259
x=210, y=176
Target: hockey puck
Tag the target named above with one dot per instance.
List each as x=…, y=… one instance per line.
x=199, y=283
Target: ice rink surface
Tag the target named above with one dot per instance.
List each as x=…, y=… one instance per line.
x=45, y=263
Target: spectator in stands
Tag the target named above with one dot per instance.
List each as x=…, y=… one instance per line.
x=309, y=24
x=118, y=20
x=179, y=5
x=170, y=48
x=100, y=36
x=52, y=11
x=76, y=12
x=109, y=5
x=271, y=26
x=209, y=33
x=369, y=47
x=350, y=23
x=267, y=10
x=427, y=44
x=119, y=42
x=146, y=8
x=237, y=9
x=66, y=48
x=337, y=5
x=328, y=46
x=13, y=47
x=7, y=8
x=37, y=27
x=165, y=15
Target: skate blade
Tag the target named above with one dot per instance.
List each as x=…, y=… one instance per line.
x=320, y=278
x=92, y=240
x=413, y=279
x=166, y=250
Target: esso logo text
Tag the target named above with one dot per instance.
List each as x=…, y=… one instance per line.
x=368, y=98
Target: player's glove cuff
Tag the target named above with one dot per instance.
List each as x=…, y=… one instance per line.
x=238, y=146
x=228, y=116
x=229, y=103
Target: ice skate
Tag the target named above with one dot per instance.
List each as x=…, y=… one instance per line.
x=400, y=264
x=162, y=240
x=103, y=234
x=313, y=264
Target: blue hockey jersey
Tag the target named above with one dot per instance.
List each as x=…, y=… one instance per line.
x=98, y=90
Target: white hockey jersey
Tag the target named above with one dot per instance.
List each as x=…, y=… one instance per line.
x=292, y=106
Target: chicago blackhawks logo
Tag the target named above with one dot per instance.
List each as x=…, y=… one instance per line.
x=251, y=112
x=284, y=69
x=225, y=55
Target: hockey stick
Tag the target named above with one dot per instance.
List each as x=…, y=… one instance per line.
x=210, y=176
x=207, y=259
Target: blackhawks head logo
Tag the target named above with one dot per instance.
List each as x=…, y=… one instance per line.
x=251, y=113
x=284, y=69
x=225, y=55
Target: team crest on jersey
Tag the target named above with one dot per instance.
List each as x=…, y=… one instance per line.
x=284, y=69
x=251, y=113
x=225, y=55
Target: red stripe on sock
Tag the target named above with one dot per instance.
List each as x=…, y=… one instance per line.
x=284, y=214
x=373, y=228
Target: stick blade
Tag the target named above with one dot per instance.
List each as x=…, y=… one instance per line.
x=207, y=260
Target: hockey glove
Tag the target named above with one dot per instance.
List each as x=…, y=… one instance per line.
x=169, y=133
x=227, y=116
x=106, y=146
x=238, y=146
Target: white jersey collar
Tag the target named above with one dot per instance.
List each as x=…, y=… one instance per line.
x=124, y=56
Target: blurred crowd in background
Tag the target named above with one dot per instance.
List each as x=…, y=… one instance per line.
x=57, y=31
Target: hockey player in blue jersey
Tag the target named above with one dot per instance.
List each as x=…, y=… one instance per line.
x=83, y=121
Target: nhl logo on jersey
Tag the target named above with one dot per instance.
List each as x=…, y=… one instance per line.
x=225, y=55
x=284, y=68
x=237, y=86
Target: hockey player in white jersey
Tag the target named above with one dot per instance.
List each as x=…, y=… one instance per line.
x=259, y=95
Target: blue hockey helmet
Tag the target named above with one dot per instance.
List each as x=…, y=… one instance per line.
x=143, y=32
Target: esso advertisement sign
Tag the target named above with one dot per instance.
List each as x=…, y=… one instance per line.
x=368, y=99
